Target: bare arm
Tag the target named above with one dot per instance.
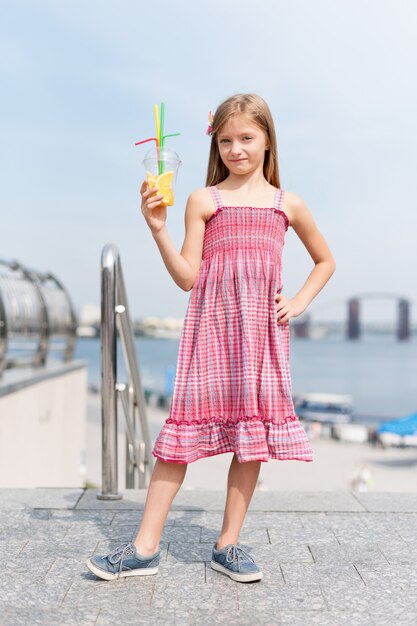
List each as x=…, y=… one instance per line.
x=183, y=266
x=304, y=225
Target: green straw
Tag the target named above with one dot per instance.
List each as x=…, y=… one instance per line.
x=172, y=135
x=161, y=163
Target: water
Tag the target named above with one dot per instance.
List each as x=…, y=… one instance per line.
x=378, y=371
x=155, y=357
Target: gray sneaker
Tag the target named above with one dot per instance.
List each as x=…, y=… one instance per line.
x=123, y=561
x=233, y=561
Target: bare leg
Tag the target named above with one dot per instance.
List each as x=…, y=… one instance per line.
x=241, y=483
x=164, y=484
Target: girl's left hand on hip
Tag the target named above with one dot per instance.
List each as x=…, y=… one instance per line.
x=285, y=308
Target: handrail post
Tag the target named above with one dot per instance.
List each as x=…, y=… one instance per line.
x=3, y=335
x=132, y=365
x=72, y=338
x=109, y=375
x=115, y=319
x=42, y=351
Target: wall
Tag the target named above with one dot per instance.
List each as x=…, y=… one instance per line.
x=42, y=427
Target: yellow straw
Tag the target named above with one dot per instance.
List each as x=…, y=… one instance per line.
x=158, y=128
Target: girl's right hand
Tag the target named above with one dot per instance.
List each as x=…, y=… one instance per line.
x=154, y=212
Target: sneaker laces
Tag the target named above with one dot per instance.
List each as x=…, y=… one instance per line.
x=236, y=552
x=120, y=554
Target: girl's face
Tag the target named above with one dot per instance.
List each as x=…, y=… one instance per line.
x=242, y=145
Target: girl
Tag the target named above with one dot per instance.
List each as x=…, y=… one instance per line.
x=232, y=390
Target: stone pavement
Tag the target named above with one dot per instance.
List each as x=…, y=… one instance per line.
x=329, y=558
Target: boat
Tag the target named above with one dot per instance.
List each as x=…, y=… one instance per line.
x=329, y=408
x=329, y=415
x=401, y=431
x=351, y=432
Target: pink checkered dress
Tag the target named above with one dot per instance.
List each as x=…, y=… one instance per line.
x=232, y=388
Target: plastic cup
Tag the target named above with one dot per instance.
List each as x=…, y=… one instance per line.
x=161, y=165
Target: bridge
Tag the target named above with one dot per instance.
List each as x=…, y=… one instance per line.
x=303, y=327
x=403, y=314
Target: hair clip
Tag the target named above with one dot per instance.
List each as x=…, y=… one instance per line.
x=210, y=123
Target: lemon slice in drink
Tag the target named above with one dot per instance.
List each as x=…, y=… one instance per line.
x=163, y=183
x=151, y=178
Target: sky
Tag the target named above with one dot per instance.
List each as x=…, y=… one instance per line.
x=79, y=81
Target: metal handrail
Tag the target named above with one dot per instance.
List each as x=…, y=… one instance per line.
x=34, y=306
x=115, y=319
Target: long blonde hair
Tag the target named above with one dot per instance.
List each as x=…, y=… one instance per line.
x=257, y=111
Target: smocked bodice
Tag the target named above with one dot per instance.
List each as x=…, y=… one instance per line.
x=232, y=228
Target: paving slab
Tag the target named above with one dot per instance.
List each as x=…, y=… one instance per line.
x=389, y=502
x=270, y=598
x=210, y=500
x=338, y=500
x=378, y=601
x=328, y=558
x=51, y=616
x=42, y=498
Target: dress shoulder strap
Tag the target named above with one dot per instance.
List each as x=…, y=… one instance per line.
x=279, y=201
x=216, y=196
x=279, y=196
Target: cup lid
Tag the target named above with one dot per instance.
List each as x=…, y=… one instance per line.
x=164, y=153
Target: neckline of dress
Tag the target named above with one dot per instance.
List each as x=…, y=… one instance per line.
x=229, y=206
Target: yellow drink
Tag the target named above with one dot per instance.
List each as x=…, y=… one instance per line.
x=163, y=183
